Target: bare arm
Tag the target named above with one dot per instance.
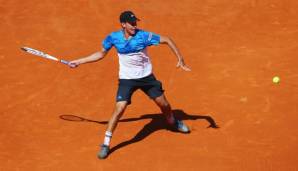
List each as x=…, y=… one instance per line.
x=171, y=44
x=91, y=58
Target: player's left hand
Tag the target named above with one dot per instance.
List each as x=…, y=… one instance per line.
x=182, y=65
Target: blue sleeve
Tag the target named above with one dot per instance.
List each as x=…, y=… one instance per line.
x=151, y=38
x=107, y=43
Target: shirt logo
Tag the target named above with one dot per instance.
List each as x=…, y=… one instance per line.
x=150, y=36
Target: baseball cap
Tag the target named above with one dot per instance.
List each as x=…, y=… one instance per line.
x=128, y=16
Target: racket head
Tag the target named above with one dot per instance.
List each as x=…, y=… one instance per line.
x=39, y=53
x=33, y=51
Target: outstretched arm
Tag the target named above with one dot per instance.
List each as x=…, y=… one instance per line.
x=171, y=44
x=91, y=58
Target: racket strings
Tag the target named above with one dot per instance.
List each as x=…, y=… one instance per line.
x=34, y=52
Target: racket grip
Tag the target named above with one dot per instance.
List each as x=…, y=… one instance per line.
x=64, y=61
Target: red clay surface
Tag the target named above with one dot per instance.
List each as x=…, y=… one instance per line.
x=233, y=47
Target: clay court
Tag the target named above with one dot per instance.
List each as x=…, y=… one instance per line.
x=234, y=49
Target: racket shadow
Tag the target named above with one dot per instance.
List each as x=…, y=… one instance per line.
x=75, y=118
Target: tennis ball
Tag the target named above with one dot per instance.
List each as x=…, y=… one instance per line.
x=276, y=80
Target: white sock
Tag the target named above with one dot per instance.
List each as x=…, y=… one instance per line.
x=107, y=138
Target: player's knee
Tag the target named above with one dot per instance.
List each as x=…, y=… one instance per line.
x=120, y=107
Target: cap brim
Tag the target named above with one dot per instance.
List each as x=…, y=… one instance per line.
x=133, y=19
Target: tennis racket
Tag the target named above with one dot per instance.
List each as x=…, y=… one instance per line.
x=44, y=55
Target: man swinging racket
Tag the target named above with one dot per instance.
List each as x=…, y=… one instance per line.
x=135, y=72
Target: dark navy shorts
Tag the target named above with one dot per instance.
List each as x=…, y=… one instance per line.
x=149, y=85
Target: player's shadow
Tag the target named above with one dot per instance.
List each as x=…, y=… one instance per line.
x=157, y=123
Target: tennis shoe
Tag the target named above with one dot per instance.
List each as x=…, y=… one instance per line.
x=104, y=152
x=180, y=126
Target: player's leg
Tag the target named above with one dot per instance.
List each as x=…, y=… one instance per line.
x=123, y=98
x=116, y=115
x=153, y=88
x=166, y=109
x=112, y=124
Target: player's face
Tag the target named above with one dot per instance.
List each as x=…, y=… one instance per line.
x=130, y=27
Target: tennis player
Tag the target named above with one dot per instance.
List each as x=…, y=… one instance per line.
x=135, y=72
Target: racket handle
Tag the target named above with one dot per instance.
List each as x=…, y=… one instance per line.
x=67, y=63
x=64, y=61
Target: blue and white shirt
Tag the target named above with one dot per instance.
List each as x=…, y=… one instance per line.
x=134, y=61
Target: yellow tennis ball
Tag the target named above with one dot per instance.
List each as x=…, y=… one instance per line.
x=276, y=79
